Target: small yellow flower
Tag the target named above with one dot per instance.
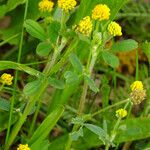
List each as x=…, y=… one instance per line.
x=136, y=85
x=101, y=12
x=85, y=26
x=23, y=147
x=121, y=113
x=114, y=29
x=67, y=5
x=6, y=79
x=46, y=5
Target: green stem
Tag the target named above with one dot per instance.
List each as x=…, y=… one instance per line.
x=113, y=133
x=109, y=107
x=2, y=86
x=27, y=110
x=137, y=65
x=46, y=71
x=16, y=74
x=51, y=62
x=83, y=99
x=35, y=98
x=34, y=118
x=89, y=68
x=64, y=58
x=9, y=39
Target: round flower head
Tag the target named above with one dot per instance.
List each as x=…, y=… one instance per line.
x=23, y=147
x=6, y=79
x=138, y=96
x=136, y=85
x=101, y=12
x=114, y=29
x=46, y=6
x=66, y=5
x=121, y=113
x=85, y=26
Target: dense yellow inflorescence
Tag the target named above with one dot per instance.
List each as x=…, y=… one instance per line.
x=121, y=113
x=136, y=85
x=6, y=79
x=85, y=26
x=101, y=12
x=67, y=5
x=114, y=29
x=46, y=6
x=138, y=93
x=23, y=147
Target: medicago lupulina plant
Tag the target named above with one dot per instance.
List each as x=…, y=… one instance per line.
x=59, y=38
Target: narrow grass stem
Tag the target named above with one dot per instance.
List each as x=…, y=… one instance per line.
x=9, y=39
x=16, y=73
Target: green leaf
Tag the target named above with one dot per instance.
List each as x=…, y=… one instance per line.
x=91, y=83
x=46, y=126
x=71, y=77
x=35, y=29
x=53, y=31
x=146, y=49
x=38, y=144
x=59, y=84
x=43, y=49
x=32, y=87
x=76, y=63
x=2, y=10
x=133, y=129
x=76, y=134
x=4, y=117
x=110, y=59
x=125, y=46
x=12, y=65
x=98, y=131
x=78, y=121
x=15, y=26
x=12, y=4
x=4, y=104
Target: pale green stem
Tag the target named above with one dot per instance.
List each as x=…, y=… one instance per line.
x=46, y=71
x=90, y=66
x=2, y=86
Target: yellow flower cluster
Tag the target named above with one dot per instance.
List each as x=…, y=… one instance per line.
x=101, y=12
x=23, y=147
x=136, y=85
x=114, y=29
x=46, y=6
x=121, y=113
x=138, y=93
x=6, y=79
x=85, y=26
x=66, y=5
